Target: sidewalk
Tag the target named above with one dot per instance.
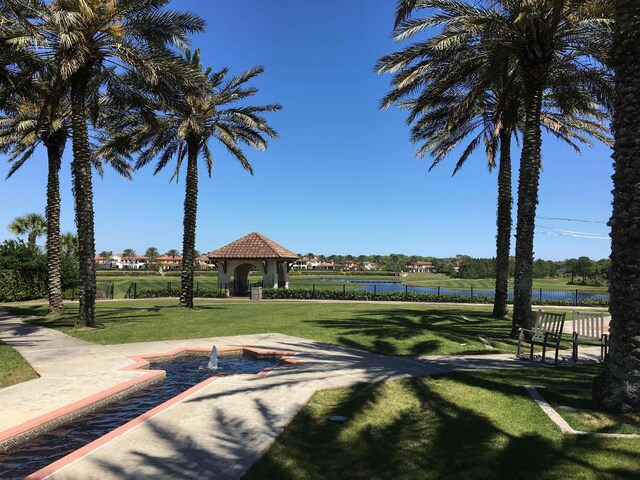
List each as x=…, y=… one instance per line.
x=219, y=431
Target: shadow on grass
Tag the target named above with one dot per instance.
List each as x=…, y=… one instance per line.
x=105, y=317
x=382, y=330
x=438, y=438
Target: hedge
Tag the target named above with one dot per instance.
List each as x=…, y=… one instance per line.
x=22, y=284
x=363, y=295
x=175, y=292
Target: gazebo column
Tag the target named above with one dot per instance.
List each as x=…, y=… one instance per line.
x=270, y=275
x=224, y=275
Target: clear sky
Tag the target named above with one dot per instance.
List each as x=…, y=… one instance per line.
x=342, y=178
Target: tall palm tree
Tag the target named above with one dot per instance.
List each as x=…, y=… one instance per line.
x=187, y=120
x=33, y=225
x=456, y=85
x=619, y=387
x=38, y=112
x=549, y=39
x=476, y=80
x=93, y=40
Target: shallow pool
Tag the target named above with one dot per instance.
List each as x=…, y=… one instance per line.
x=182, y=374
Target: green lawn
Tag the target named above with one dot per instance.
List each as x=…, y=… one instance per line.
x=575, y=406
x=434, y=280
x=15, y=369
x=467, y=425
x=402, y=329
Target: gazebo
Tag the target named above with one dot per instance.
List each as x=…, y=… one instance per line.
x=236, y=260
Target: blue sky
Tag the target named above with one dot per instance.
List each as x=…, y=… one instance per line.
x=342, y=178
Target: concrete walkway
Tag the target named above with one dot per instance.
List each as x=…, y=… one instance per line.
x=218, y=432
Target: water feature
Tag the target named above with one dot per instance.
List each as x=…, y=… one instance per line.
x=384, y=286
x=182, y=374
x=213, y=360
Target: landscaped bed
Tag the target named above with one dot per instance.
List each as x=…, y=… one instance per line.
x=14, y=369
x=474, y=425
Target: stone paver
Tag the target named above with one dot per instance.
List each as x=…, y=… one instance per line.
x=219, y=431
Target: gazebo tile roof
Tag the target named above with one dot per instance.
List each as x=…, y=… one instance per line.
x=253, y=245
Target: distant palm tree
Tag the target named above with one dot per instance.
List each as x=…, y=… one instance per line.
x=32, y=225
x=128, y=253
x=182, y=124
x=173, y=253
x=69, y=244
x=93, y=41
x=152, y=253
x=105, y=255
x=617, y=389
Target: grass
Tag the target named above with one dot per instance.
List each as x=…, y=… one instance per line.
x=15, y=369
x=403, y=329
x=435, y=279
x=576, y=407
x=466, y=425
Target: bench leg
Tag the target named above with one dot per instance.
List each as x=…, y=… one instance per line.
x=544, y=346
x=557, y=352
x=574, y=354
x=531, y=353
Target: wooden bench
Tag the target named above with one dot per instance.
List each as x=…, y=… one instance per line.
x=547, y=331
x=589, y=329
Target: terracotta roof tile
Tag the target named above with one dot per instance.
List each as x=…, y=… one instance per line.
x=253, y=245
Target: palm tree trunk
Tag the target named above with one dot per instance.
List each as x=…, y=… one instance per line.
x=189, y=234
x=503, y=237
x=55, y=148
x=619, y=387
x=83, y=193
x=528, y=180
x=31, y=239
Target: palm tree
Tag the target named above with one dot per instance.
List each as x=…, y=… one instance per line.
x=105, y=255
x=187, y=120
x=152, y=253
x=37, y=113
x=128, y=253
x=617, y=389
x=471, y=85
x=69, y=244
x=550, y=40
x=173, y=253
x=32, y=225
x=93, y=40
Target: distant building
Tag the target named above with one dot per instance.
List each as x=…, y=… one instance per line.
x=421, y=267
x=121, y=262
x=168, y=262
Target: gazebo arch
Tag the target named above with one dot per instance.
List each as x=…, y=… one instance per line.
x=238, y=258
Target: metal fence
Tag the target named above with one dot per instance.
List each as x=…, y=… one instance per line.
x=172, y=289
x=104, y=291
x=539, y=295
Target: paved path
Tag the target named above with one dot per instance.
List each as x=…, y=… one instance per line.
x=218, y=432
